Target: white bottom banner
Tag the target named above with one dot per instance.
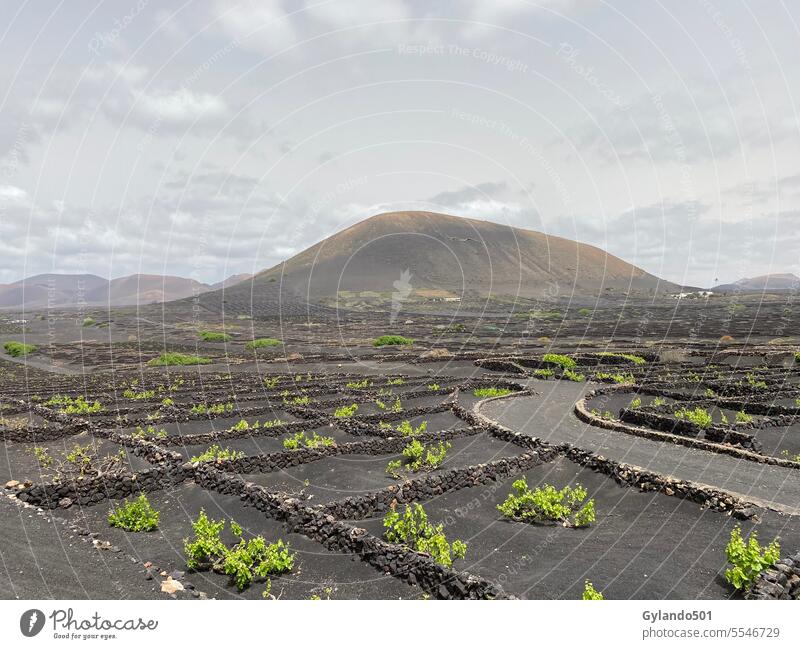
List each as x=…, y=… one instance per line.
x=325, y=623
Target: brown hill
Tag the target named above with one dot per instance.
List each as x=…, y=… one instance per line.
x=449, y=255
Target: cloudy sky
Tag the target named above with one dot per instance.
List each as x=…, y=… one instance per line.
x=205, y=138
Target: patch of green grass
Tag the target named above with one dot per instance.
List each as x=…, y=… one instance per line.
x=560, y=359
x=484, y=393
x=176, y=358
x=585, y=312
x=381, y=341
x=135, y=516
x=258, y=343
x=17, y=349
x=215, y=336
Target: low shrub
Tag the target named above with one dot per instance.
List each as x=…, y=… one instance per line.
x=626, y=378
x=407, y=430
x=77, y=406
x=419, y=457
x=215, y=336
x=397, y=381
x=345, y=412
x=135, y=516
x=88, y=321
x=382, y=341
x=258, y=343
x=139, y=396
x=483, y=393
x=17, y=349
x=573, y=376
x=413, y=529
x=544, y=373
x=590, y=593
x=585, y=312
x=359, y=385
x=303, y=440
x=748, y=558
x=560, y=359
x=213, y=409
x=743, y=418
x=567, y=506
x=245, y=561
x=635, y=403
x=699, y=416
x=151, y=432
x=216, y=453
x=175, y=358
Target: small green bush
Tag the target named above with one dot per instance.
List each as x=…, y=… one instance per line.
x=748, y=558
x=407, y=430
x=626, y=378
x=77, y=406
x=216, y=453
x=258, y=343
x=302, y=439
x=243, y=562
x=585, y=312
x=88, y=321
x=743, y=418
x=139, y=396
x=359, y=385
x=215, y=336
x=560, y=359
x=567, y=506
x=483, y=393
x=135, y=516
x=590, y=593
x=419, y=457
x=16, y=349
x=175, y=358
x=151, y=432
x=573, y=376
x=414, y=530
x=544, y=373
x=344, y=412
x=699, y=416
x=213, y=409
x=398, y=381
x=391, y=340
x=635, y=403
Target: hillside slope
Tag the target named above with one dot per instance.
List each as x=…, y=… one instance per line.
x=444, y=256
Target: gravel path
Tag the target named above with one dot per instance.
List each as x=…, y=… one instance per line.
x=549, y=416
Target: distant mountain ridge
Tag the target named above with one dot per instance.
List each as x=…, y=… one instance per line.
x=56, y=290
x=430, y=256
x=780, y=282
